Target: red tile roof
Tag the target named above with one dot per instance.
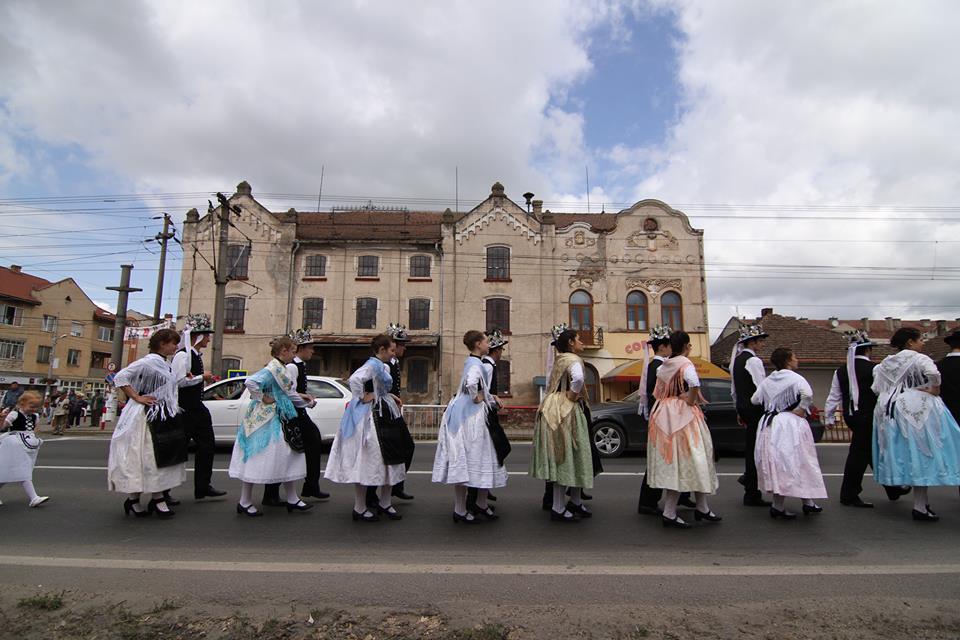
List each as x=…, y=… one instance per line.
x=19, y=286
x=597, y=221
x=370, y=226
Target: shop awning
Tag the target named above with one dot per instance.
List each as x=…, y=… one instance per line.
x=632, y=371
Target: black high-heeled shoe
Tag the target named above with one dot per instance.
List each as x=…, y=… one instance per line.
x=128, y=508
x=152, y=508
x=565, y=516
x=366, y=516
x=709, y=516
x=249, y=510
x=675, y=523
x=487, y=513
x=299, y=505
x=491, y=497
x=170, y=500
x=579, y=510
x=466, y=518
x=931, y=511
x=391, y=512
x=811, y=508
x=925, y=517
x=786, y=515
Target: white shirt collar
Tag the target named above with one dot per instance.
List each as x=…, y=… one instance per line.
x=862, y=358
x=750, y=351
x=660, y=358
x=297, y=359
x=953, y=353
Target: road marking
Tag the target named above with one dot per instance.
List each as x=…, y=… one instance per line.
x=478, y=569
x=412, y=473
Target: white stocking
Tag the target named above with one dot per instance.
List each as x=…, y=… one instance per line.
x=558, y=491
x=778, y=501
x=482, y=499
x=385, y=493
x=576, y=495
x=29, y=490
x=290, y=489
x=670, y=504
x=460, y=499
x=246, y=494
x=808, y=502
x=920, y=499
x=359, y=498
x=701, y=499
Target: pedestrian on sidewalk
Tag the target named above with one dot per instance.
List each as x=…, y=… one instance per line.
x=262, y=453
x=11, y=396
x=466, y=455
x=61, y=410
x=365, y=452
x=75, y=409
x=148, y=448
x=19, y=445
x=96, y=408
x=916, y=440
x=786, y=455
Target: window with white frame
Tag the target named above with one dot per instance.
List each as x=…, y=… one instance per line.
x=498, y=263
x=368, y=266
x=229, y=364
x=420, y=266
x=43, y=354
x=11, y=314
x=73, y=358
x=49, y=323
x=312, y=313
x=76, y=329
x=366, y=313
x=498, y=314
x=238, y=259
x=11, y=350
x=105, y=334
x=316, y=267
x=233, y=313
x=419, y=313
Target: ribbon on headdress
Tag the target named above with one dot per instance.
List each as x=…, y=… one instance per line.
x=642, y=407
x=852, y=375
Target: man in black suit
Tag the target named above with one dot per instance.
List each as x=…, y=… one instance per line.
x=855, y=398
x=747, y=373
x=950, y=375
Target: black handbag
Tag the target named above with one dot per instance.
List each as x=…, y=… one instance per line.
x=292, y=433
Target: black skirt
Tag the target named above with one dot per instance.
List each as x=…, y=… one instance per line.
x=396, y=443
x=500, y=442
x=594, y=452
x=169, y=441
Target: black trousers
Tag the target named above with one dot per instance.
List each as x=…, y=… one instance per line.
x=199, y=427
x=859, y=457
x=752, y=419
x=312, y=452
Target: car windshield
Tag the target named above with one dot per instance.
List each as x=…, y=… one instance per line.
x=633, y=397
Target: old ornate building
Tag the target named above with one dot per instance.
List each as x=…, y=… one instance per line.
x=346, y=274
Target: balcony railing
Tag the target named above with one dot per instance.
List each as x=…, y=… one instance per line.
x=591, y=338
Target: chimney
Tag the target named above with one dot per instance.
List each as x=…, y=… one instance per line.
x=15, y=268
x=865, y=324
x=941, y=327
x=244, y=189
x=448, y=216
x=193, y=215
x=833, y=321
x=925, y=323
x=766, y=312
x=889, y=322
x=548, y=217
x=537, y=207
x=897, y=323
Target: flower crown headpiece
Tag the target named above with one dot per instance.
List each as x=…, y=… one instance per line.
x=301, y=336
x=660, y=332
x=198, y=323
x=557, y=329
x=397, y=331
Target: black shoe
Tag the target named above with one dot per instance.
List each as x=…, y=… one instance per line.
x=366, y=516
x=249, y=510
x=811, y=508
x=152, y=508
x=585, y=496
x=742, y=480
x=649, y=511
x=209, y=492
x=466, y=518
x=749, y=501
x=894, y=493
x=685, y=501
x=579, y=510
x=566, y=516
x=674, y=522
x=931, y=511
x=546, y=506
x=170, y=500
x=319, y=495
x=786, y=515
x=709, y=516
x=491, y=497
x=273, y=502
x=857, y=503
x=487, y=513
x=391, y=512
x=128, y=508
x=299, y=505
x=925, y=517
x=401, y=495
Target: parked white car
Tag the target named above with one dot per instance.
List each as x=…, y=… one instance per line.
x=227, y=399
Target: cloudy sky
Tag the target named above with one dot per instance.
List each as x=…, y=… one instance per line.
x=816, y=142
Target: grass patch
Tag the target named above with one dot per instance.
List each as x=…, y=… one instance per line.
x=480, y=632
x=42, y=602
x=166, y=605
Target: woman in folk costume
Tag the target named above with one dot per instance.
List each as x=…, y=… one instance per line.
x=19, y=445
x=679, y=446
x=916, y=441
x=561, y=432
x=149, y=445
x=785, y=454
x=466, y=455
x=358, y=456
x=261, y=453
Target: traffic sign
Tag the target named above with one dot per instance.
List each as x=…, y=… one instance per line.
x=111, y=366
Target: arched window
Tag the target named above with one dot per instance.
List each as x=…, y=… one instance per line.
x=312, y=313
x=581, y=315
x=233, y=313
x=419, y=313
x=498, y=263
x=671, y=310
x=591, y=383
x=636, y=311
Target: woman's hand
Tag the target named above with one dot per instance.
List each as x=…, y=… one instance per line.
x=367, y=397
x=147, y=400
x=572, y=396
x=799, y=412
x=477, y=399
x=268, y=399
x=397, y=400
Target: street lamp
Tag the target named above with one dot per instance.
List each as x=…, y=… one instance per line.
x=53, y=351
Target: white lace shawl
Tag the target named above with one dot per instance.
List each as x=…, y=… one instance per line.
x=781, y=390
x=906, y=371
x=152, y=375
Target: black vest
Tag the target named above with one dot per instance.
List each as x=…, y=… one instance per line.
x=395, y=374
x=301, y=376
x=652, y=381
x=493, y=375
x=24, y=422
x=867, y=398
x=192, y=396
x=950, y=384
x=743, y=383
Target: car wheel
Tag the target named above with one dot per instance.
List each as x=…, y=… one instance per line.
x=610, y=440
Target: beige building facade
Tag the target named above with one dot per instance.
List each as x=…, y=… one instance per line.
x=347, y=274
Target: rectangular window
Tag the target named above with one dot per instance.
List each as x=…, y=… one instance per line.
x=417, y=375
x=76, y=329
x=49, y=324
x=498, y=314
x=73, y=358
x=238, y=256
x=503, y=378
x=368, y=266
x=420, y=313
x=316, y=267
x=312, y=313
x=230, y=364
x=498, y=263
x=105, y=334
x=11, y=350
x=366, y=313
x=99, y=360
x=233, y=314
x=420, y=267
x=10, y=314
x=43, y=354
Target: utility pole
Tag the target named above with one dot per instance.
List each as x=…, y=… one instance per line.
x=221, y=276
x=120, y=324
x=162, y=238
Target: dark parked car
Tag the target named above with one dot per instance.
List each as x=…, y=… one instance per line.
x=617, y=427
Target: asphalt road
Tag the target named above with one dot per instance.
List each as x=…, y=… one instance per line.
x=82, y=538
